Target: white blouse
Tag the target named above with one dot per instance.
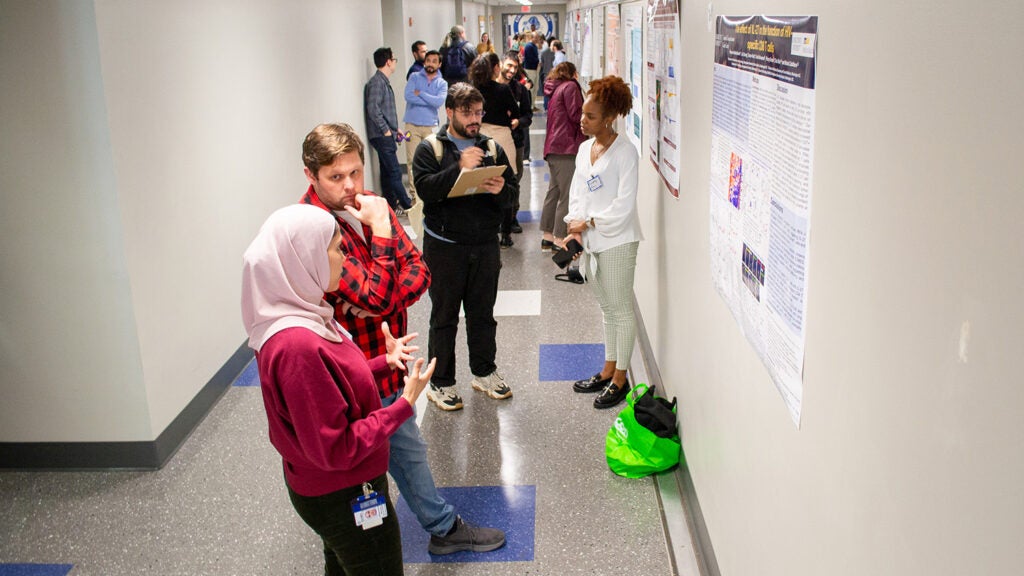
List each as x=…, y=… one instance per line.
x=606, y=191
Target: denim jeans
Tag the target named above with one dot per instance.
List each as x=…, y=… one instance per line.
x=390, y=172
x=411, y=472
x=348, y=549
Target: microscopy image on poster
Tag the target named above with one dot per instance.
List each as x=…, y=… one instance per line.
x=762, y=158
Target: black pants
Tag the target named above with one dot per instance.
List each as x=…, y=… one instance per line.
x=465, y=276
x=348, y=549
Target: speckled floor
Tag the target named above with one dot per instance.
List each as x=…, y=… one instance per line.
x=219, y=507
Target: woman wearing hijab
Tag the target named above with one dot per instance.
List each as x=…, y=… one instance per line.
x=323, y=408
x=603, y=218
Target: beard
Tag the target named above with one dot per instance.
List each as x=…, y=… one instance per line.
x=466, y=131
x=430, y=69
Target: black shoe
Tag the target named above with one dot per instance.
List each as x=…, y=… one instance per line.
x=467, y=537
x=593, y=384
x=506, y=241
x=516, y=228
x=611, y=395
x=546, y=245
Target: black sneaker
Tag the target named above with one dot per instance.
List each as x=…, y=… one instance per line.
x=516, y=228
x=466, y=537
x=546, y=245
x=593, y=384
x=506, y=241
x=611, y=395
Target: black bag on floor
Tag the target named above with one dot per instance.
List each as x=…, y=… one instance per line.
x=572, y=274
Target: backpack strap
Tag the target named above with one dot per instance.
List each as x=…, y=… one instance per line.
x=436, y=145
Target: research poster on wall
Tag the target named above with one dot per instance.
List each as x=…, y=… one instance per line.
x=762, y=159
x=663, y=64
x=633, y=25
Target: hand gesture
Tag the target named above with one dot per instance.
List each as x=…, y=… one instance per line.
x=417, y=380
x=374, y=212
x=398, y=351
x=471, y=158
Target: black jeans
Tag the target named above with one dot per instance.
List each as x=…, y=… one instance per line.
x=348, y=549
x=462, y=275
x=390, y=172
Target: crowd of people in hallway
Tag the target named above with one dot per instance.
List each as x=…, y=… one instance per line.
x=328, y=281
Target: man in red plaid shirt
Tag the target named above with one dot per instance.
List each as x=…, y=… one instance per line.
x=383, y=275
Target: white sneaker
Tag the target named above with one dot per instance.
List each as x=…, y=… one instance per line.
x=493, y=385
x=445, y=397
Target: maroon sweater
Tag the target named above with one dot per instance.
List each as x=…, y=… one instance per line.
x=324, y=411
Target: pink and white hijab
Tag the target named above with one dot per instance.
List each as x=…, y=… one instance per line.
x=285, y=275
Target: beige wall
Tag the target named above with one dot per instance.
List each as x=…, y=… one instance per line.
x=908, y=459
x=144, y=143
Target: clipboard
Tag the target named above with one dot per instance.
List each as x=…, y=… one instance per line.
x=469, y=181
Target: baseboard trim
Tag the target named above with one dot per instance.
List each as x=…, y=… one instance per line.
x=151, y=455
x=698, y=536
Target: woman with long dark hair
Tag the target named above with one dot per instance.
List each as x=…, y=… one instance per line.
x=501, y=114
x=561, y=142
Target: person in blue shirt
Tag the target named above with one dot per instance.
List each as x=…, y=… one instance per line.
x=425, y=92
x=531, y=61
x=419, y=52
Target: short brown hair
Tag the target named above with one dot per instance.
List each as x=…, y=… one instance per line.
x=326, y=142
x=461, y=95
x=612, y=94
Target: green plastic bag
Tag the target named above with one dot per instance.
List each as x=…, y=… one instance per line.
x=634, y=451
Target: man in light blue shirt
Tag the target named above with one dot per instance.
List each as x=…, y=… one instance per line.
x=425, y=92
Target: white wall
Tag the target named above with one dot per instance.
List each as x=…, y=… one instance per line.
x=70, y=366
x=908, y=460
x=158, y=191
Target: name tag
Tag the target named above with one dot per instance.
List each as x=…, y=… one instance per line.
x=594, y=183
x=370, y=510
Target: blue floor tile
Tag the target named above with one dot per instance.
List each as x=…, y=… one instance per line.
x=250, y=376
x=570, y=361
x=35, y=569
x=510, y=508
x=527, y=216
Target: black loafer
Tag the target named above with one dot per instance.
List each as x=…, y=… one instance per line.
x=593, y=384
x=611, y=395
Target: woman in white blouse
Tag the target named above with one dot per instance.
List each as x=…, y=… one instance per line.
x=603, y=218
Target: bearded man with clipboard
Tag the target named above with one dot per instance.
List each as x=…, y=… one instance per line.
x=460, y=242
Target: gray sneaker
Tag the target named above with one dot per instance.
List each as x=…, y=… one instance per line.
x=467, y=537
x=445, y=397
x=493, y=385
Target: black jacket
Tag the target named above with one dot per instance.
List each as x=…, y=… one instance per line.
x=471, y=219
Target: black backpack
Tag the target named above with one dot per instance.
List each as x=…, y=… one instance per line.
x=455, y=61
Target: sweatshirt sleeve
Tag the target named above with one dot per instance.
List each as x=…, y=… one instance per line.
x=310, y=401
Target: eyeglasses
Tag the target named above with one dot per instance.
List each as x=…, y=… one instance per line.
x=471, y=113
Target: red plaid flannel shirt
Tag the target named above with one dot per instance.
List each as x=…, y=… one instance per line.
x=384, y=276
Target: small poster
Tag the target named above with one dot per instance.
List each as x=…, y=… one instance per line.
x=663, y=86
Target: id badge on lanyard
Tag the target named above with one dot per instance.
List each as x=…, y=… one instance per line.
x=370, y=509
x=594, y=183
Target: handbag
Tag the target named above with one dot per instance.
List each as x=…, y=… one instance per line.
x=644, y=438
x=564, y=256
x=571, y=274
